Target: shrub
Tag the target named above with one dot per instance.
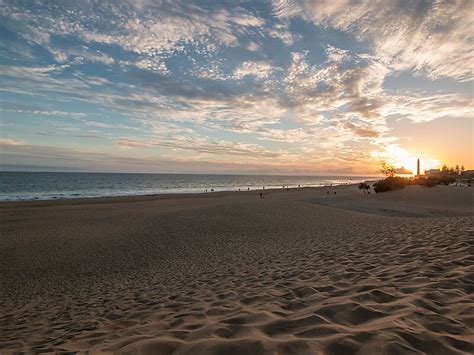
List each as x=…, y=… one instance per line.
x=430, y=182
x=436, y=180
x=390, y=183
x=393, y=183
x=448, y=180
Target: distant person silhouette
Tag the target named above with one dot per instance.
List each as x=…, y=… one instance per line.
x=261, y=195
x=334, y=192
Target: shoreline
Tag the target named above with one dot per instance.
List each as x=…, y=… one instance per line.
x=164, y=196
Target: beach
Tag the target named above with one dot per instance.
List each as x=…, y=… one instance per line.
x=296, y=272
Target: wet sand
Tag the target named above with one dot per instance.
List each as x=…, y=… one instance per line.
x=298, y=272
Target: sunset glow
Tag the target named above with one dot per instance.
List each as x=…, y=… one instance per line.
x=401, y=158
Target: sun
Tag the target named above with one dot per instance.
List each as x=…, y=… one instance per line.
x=401, y=158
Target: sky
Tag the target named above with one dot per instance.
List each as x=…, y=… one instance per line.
x=251, y=87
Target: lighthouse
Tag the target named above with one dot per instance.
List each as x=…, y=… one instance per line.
x=418, y=167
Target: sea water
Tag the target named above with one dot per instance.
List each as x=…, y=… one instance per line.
x=57, y=185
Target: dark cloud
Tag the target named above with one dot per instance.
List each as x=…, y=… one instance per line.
x=361, y=131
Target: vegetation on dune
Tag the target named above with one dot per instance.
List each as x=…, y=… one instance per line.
x=435, y=180
x=391, y=182
x=397, y=182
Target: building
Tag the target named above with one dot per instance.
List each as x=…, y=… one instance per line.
x=432, y=172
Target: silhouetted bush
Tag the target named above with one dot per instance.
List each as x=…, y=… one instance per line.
x=430, y=182
x=393, y=183
x=448, y=180
x=390, y=183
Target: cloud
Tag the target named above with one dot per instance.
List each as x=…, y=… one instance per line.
x=361, y=131
x=337, y=55
x=432, y=38
x=281, y=32
x=286, y=8
x=52, y=158
x=305, y=82
x=153, y=31
x=424, y=108
x=10, y=142
x=196, y=144
x=42, y=112
x=155, y=65
x=260, y=70
x=128, y=143
x=252, y=46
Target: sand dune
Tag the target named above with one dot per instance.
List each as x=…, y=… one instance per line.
x=298, y=272
x=414, y=201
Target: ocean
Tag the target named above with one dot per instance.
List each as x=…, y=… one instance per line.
x=56, y=185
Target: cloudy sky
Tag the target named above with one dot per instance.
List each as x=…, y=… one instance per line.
x=284, y=87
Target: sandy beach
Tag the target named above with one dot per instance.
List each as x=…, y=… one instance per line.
x=297, y=272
